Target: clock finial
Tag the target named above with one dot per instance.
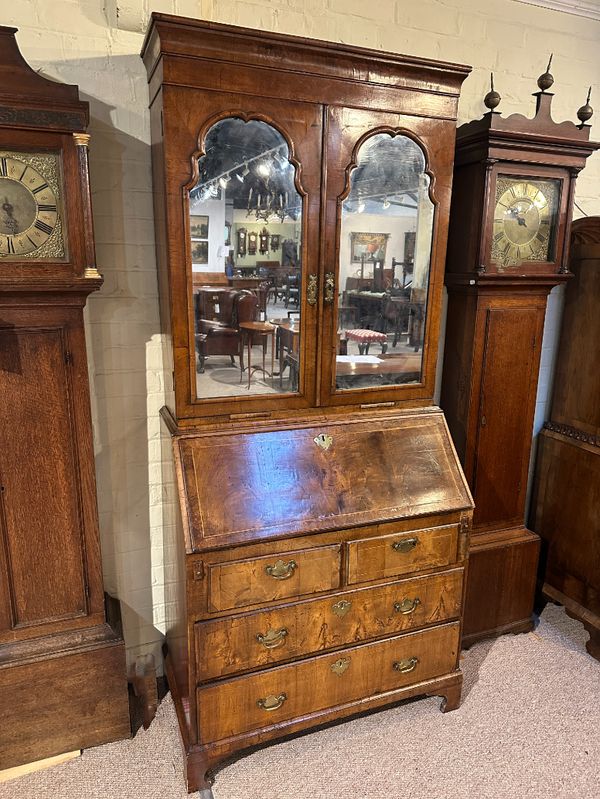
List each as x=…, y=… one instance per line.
x=546, y=80
x=586, y=111
x=492, y=98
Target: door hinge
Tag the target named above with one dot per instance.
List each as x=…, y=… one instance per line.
x=68, y=357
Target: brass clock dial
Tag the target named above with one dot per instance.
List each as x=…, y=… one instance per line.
x=30, y=207
x=525, y=219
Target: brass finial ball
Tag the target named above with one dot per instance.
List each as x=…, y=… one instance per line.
x=492, y=98
x=586, y=111
x=546, y=80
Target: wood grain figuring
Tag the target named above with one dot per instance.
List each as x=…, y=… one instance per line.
x=247, y=582
x=393, y=555
x=43, y=534
x=231, y=707
x=282, y=482
x=513, y=335
x=341, y=619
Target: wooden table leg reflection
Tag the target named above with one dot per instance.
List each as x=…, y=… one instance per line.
x=249, y=329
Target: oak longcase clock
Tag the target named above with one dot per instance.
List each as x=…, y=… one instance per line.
x=512, y=202
x=63, y=682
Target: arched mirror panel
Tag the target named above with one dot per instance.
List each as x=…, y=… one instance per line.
x=245, y=229
x=384, y=262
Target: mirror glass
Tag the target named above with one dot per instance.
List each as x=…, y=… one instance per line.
x=245, y=218
x=385, y=248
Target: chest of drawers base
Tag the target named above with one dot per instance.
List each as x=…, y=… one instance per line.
x=203, y=760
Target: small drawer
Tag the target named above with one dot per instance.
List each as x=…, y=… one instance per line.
x=242, y=583
x=403, y=553
x=242, y=704
x=265, y=637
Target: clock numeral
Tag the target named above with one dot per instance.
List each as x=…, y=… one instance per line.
x=498, y=237
x=506, y=247
x=50, y=208
x=43, y=226
x=513, y=191
x=10, y=245
x=4, y=167
x=32, y=242
x=541, y=237
x=23, y=172
x=38, y=189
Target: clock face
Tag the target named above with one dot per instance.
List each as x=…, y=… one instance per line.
x=30, y=207
x=525, y=219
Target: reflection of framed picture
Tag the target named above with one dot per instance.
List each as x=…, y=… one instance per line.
x=371, y=246
x=200, y=252
x=198, y=227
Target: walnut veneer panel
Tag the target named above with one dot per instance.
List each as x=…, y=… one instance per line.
x=265, y=484
x=270, y=636
x=256, y=580
x=392, y=555
x=232, y=707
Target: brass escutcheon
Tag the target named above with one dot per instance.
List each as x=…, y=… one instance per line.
x=405, y=545
x=342, y=607
x=409, y=664
x=340, y=666
x=272, y=638
x=323, y=440
x=271, y=702
x=281, y=570
x=311, y=290
x=407, y=606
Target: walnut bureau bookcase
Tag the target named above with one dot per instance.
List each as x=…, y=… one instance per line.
x=63, y=683
x=324, y=513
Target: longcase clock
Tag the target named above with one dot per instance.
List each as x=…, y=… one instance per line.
x=62, y=666
x=514, y=182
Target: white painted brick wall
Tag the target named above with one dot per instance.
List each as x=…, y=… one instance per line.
x=96, y=45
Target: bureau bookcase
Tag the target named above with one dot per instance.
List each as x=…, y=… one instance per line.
x=324, y=514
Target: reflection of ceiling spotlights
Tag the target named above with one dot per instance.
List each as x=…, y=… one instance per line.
x=224, y=180
x=361, y=206
x=245, y=171
x=386, y=203
x=280, y=160
x=264, y=169
x=240, y=177
x=213, y=190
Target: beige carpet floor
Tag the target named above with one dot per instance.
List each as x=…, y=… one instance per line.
x=528, y=728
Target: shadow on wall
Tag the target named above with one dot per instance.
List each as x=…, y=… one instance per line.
x=123, y=334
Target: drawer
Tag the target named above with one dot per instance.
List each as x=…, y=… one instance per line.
x=252, y=640
x=241, y=583
x=248, y=703
x=403, y=553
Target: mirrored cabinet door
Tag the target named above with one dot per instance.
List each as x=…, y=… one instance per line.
x=243, y=233
x=381, y=218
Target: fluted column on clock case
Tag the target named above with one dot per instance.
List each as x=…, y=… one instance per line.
x=512, y=201
x=63, y=683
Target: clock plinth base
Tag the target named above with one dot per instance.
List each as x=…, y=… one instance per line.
x=501, y=583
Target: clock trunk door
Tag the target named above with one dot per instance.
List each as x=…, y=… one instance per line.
x=384, y=246
x=247, y=235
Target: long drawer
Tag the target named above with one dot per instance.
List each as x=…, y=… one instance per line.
x=249, y=582
x=252, y=640
x=248, y=703
x=403, y=553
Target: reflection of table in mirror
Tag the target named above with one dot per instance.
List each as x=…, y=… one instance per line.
x=249, y=331
x=390, y=369
x=288, y=341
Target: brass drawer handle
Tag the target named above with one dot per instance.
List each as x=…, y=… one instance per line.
x=311, y=290
x=272, y=638
x=407, y=606
x=270, y=703
x=405, y=545
x=281, y=570
x=342, y=607
x=340, y=666
x=404, y=666
x=329, y=294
